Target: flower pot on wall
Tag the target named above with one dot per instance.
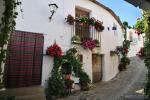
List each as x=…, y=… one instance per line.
x=76, y=39
x=70, y=20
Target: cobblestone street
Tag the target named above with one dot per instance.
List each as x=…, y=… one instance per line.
x=123, y=87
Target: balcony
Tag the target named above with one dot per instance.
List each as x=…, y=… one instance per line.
x=83, y=33
x=86, y=31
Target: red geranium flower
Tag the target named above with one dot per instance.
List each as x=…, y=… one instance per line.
x=89, y=44
x=54, y=50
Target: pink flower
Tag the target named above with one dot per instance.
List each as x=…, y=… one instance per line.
x=89, y=44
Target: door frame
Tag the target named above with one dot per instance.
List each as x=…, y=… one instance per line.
x=101, y=67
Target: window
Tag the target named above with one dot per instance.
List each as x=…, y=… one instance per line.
x=82, y=30
x=115, y=29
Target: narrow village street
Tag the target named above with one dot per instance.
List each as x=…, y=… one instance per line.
x=74, y=50
x=127, y=85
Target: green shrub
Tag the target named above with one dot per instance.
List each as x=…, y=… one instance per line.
x=7, y=98
x=84, y=81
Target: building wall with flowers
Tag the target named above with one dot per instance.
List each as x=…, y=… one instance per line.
x=35, y=18
x=137, y=42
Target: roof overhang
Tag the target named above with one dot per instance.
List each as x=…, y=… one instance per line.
x=142, y=4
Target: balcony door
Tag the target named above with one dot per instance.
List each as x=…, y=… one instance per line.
x=82, y=30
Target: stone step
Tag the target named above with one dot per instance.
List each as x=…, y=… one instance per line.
x=25, y=93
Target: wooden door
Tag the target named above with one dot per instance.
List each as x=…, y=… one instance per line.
x=24, y=60
x=97, y=67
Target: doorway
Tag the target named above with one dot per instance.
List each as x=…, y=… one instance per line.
x=97, y=67
x=24, y=59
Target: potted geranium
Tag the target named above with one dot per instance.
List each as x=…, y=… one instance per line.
x=54, y=50
x=89, y=43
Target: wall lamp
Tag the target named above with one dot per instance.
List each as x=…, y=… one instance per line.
x=53, y=8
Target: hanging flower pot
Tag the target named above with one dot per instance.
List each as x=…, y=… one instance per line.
x=70, y=19
x=92, y=21
x=54, y=50
x=98, y=26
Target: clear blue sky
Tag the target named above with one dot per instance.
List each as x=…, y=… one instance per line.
x=124, y=10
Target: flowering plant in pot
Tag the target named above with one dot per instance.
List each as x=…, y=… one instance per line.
x=124, y=62
x=54, y=50
x=92, y=21
x=141, y=53
x=68, y=85
x=89, y=43
x=82, y=20
x=70, y=19
x=76, y=39
x=98, y=26
x=84, y=81
x=138, y=32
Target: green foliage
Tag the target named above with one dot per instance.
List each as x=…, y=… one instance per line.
x=7, y=98
x=140, y=25
x=84, y=81
x=84, y=78
x=125, y=48
x=75, y=39
x=125, y=60
x=125, y=24
x=146, y=21
x=75, y=63
x=126, y=43
x=56, y=84
x=7, y=26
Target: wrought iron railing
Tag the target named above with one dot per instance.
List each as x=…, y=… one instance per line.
x=86, y=31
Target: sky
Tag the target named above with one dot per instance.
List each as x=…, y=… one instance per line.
x=124, y=10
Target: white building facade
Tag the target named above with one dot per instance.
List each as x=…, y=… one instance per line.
x=137, y=42
x=35, y=19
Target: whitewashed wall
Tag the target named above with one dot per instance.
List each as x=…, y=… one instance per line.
x=36, y=19
x=136, y=44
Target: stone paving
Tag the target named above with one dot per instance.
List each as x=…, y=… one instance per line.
x=122, y=87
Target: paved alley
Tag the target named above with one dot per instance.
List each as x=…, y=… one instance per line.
x=127, y=85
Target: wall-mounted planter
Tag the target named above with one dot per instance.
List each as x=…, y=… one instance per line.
x=76, y=40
